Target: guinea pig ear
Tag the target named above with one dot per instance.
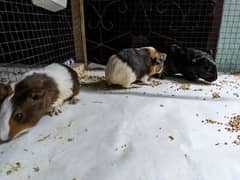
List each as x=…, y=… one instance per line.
x=36, y=95
x=161, y=57
x=210, y=52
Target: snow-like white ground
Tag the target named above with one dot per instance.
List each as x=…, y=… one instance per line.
x=149, y=133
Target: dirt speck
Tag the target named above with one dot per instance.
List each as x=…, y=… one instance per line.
x=36, y=169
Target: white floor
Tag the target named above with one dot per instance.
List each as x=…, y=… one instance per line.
x=151, y=133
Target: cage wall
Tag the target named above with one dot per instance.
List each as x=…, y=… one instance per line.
x=116, y=24
x=33, y=35
x=229, y=41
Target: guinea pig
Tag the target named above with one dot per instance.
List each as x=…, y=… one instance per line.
x=191, y=63
x=132, y=64
x=5, y=90
x=37, y=93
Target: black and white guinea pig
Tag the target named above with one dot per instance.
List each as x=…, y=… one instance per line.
x=5, y=90
x=132, y=64
x=191, y=63
x=37, y=93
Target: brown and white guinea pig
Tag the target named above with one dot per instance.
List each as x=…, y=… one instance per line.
x=132, y=64
x=37, y=93
x=5, y=90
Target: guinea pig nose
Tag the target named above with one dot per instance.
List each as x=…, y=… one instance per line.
x=18, y=117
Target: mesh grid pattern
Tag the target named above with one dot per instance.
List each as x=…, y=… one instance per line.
x=33, y=35
x=115, y=24
x=229, y=41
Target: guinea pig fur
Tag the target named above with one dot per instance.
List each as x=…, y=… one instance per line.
x=37, y=93
x=5, y=90
x=191, y=63
x=132, y=64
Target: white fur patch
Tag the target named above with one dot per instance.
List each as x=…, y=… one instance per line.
x=63, y=79
x=5, y=114
x=118, y=72
x=146, y=47
x=61, y=76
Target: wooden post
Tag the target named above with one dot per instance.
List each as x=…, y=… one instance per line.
x=79, y=31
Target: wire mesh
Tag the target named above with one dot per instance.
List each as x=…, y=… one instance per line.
x=116, y=24
x=32, y=35
x=229, y=41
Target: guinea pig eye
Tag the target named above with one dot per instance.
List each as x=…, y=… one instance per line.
x=18, y=117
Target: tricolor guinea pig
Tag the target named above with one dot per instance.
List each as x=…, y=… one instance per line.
x=37, y=93
x=132, y=64
x=5, y=90
x=191, y=63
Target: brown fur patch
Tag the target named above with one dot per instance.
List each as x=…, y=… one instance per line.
x=15, y=127
x=5, y=90
x=156, y=68
x=153, y=53
x=33, y=98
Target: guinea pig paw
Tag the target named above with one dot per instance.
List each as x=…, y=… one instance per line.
x=134, y=86
x=55, y=111
x=147, y=83
x=74, y=100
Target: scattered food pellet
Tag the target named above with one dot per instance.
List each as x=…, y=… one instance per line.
x=210, y=121
x=236, y=94
x=161, y=105
x=44, y=138
x=197, y=114
x=215, y=95
x=198, y=89
x=9, y=172
x=70, y=139
x=36, y=169
x=18, y=164
x=237, y=141
x=124, y=146
x=234, y=124
x=171, y=138
x=217, y=144
x=98, y=102
x=184, y=87
x=13, y=168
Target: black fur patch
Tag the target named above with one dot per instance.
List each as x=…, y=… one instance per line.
x=138, y=60
x=191, y=63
